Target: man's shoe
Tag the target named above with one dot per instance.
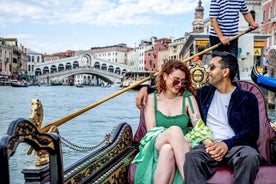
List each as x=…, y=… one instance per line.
x=271, y=106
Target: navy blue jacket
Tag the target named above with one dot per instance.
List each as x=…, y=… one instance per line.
x=243, y=114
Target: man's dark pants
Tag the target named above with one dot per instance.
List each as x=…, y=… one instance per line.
x=244, y=161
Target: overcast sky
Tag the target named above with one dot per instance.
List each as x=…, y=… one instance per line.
x=58, y=25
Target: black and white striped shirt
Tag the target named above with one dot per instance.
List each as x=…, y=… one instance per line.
x=227, y=14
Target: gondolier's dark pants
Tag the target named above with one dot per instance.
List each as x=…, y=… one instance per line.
x=244, y=160
x=232, y=48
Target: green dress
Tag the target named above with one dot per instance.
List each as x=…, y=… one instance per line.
x=147, y=157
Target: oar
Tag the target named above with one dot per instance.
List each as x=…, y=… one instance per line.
x=77, y=113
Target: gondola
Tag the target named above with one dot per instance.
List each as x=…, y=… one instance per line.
x=19, y=84
x=111, y=162
x=263, y=81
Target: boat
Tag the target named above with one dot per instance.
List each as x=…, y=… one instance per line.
x=16, y=83
x=56, y=83
x=130, y=78
x=263, y=81
x=79, y=86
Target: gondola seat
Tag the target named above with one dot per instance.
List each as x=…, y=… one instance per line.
x=266, y=174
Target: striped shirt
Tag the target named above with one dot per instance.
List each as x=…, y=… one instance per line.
x=227, y=14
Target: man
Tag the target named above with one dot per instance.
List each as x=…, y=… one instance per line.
x=224, y=15
x=232, y=114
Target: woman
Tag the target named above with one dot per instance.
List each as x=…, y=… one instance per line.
x=167, y=114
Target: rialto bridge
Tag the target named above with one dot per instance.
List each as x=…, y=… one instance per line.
x=81, y=68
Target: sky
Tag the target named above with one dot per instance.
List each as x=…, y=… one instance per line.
x=52, y=26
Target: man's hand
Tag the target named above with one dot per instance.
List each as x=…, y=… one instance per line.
x=217, y=150
x=254, y=25
x=141, y=98
x=224, y=40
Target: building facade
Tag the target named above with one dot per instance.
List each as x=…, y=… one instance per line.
x=33, y=59
x=268, y=22
x=152, y=56
x=13, y=59
x=115, y=54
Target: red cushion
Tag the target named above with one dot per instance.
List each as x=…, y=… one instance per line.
x=266, y=132
x=224, y=175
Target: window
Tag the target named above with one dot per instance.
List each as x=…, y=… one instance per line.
x=270, y=12
x=263, y=16
x=274, y=39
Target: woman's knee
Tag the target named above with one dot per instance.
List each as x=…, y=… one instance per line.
x=167, y=148
x=167, y=151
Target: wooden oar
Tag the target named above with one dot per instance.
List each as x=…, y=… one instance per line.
x=77, y=113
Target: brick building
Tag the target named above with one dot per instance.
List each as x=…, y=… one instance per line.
x=268, y=24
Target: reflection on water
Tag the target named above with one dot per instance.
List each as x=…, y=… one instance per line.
x=88, y=129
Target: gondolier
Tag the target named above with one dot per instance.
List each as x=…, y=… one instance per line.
x=224, y=17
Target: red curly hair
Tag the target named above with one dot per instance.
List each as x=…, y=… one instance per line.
x=168, y=68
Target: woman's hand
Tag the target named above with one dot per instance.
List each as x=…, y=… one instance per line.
x=207, y=141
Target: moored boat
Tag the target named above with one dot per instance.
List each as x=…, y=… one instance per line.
x=15, y=83
x=56, y=83
x=79, y=86
x=263, y=81
x=130, y=78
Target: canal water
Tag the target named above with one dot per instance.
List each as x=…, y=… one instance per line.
x=59, y=101
x=86, y=130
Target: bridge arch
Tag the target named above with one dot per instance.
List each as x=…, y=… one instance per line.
x=68, y=66
x=76, y=64
x=46, y=70
x=97, y=65
x=38, y=71
x=60, y=67
x=104, y=66
x=124, y=71
x=111, y=68
x=53, y=68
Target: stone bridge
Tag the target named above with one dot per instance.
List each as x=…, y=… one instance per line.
x=83, y=62
x=109, y=77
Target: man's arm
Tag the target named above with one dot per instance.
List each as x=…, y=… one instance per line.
x=247, y=120
x=248, y=17
x=215, y=25
x=141, y=98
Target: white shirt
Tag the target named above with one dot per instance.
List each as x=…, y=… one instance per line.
x=217, y=119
